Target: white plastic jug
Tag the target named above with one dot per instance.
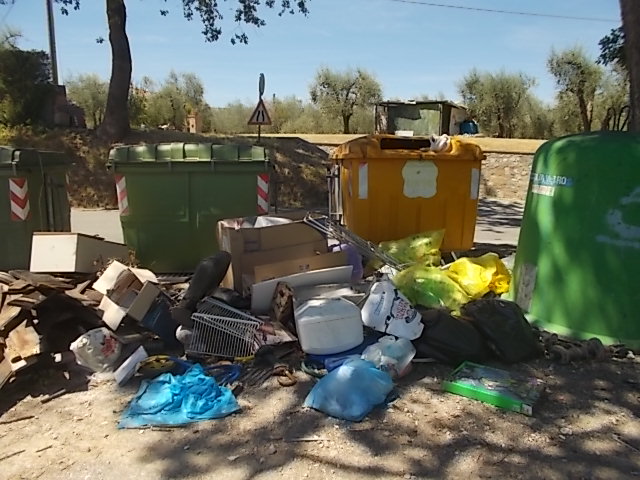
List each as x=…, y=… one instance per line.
x=328, y=325
x=387, y=310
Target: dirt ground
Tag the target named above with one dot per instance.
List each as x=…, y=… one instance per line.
x=586, y=426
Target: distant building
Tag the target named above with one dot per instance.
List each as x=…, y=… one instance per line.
x=194, y=123
x=419, y=118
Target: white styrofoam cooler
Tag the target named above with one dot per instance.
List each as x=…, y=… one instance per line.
x=328, y=325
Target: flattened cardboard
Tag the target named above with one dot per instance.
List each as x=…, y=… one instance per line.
x=299, y=265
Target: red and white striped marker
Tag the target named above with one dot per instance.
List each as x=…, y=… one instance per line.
x=121, y=191
x=263, y=193
x=19, y=197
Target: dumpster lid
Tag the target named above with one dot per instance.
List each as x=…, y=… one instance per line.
x=187, y=152
x=394, y=146
x=30, y=157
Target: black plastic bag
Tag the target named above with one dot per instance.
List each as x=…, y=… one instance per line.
x=505, y=328
x=449, y=339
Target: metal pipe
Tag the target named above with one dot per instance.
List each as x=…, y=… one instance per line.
x=52, y=43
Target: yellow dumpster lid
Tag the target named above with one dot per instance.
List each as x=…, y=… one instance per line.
x=397, y=147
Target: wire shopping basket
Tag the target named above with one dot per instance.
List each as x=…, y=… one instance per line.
x=222, y=331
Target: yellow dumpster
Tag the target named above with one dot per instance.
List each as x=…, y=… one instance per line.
x=387, y=187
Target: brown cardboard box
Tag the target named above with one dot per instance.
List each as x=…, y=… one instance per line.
x=304, y=264
x=250, y=247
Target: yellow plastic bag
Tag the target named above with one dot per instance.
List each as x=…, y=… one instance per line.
x=478, y=276
x=430, y=287
x=423, y=248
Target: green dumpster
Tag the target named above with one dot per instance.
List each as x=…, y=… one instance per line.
x=35, y=199
x=578, y=258
x=171, y=197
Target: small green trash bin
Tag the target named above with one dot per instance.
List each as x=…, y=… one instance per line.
x=172, y=195
x=35, y=200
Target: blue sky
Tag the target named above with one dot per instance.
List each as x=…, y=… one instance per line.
x=411, y=49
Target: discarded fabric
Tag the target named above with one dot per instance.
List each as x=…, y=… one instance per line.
x=178, y=399
x=350, y=391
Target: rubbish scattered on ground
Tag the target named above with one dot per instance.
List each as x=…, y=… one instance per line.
x=220, y=330
x=494, y=386
x=18, y=419
x=565, y=350
x=129, y=367
x=262, y=293
x=98, y=349
x=251, y=243
x=506, y=329
x=430, y=287
x=18, y=452
x=480, y=275
x=327, y=326
x=450, y=340
x=179, y=399
x=423, y=249
x=350, y=391
x=392, y=355
x=61, y=252
x=387, y=310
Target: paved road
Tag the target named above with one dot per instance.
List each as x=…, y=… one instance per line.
x=498, y=222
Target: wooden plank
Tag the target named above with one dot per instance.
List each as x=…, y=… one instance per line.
x=5, y=370
x=22, y=342
x=9, y=314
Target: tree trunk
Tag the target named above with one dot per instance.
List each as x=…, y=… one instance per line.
x=115, y=124
x=345, y=122
x=584, y=113
x=630, y=10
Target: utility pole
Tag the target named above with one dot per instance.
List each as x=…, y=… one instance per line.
x=52, y=43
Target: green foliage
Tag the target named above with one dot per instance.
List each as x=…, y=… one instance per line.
x=90, y=93
x=612, y=49
x=178, y=96
x=578, y=76
x=339, y=94
x=24, y=83
x=497, y=100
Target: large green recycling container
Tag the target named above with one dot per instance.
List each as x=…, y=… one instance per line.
x=577, y=266
x=172, y=195
x=33, y=197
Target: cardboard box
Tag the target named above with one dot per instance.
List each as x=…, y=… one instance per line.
x=252, y=246
x=63, y=252
x=132, y=299
x=304, y=264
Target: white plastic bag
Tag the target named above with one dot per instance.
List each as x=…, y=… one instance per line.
x=98, y=350
x=387, y=310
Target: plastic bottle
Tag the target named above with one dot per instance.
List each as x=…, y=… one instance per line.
x=391, y=355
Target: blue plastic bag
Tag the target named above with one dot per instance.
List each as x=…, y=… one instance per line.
x=179, y=399
x=350, y=391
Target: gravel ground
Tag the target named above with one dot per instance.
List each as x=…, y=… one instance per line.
x=586, y=426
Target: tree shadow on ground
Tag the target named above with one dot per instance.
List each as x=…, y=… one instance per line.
x=582, y=428
x=42, y=380
x=496, y=213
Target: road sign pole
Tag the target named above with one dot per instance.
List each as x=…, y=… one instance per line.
x=259, y=131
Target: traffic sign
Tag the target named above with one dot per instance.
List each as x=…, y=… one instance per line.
x=260, y=115
x=261, y=85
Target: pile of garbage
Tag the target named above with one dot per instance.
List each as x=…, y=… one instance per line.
x=283, y=298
